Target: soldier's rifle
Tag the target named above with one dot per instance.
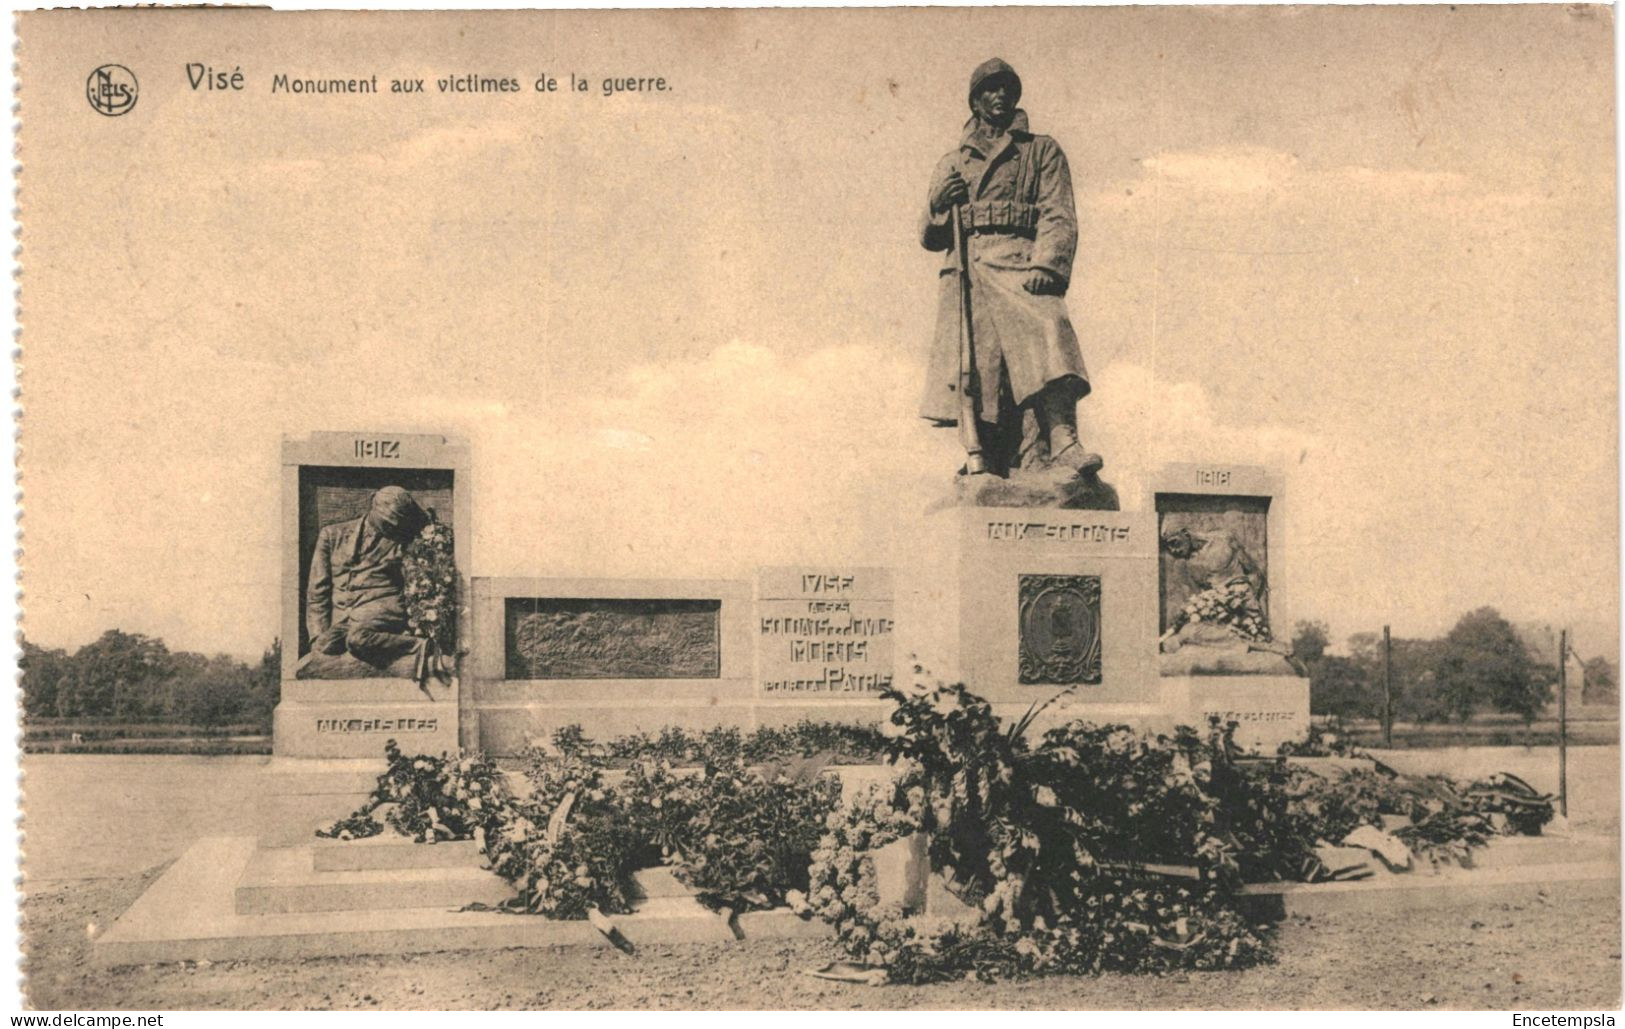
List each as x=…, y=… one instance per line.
x=969, y=437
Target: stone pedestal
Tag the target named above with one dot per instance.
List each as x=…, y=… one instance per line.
x=1052, y=598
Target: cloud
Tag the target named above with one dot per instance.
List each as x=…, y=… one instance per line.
x=711, y=467
x=1235, y=172
x=1142, y=423
x=1244, y=170
x=748, y=456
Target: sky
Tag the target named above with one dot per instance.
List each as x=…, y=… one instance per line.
x=685, y=333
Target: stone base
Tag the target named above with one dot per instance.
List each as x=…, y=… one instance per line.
x=352, y=718
x=194, y=912
x=297, y=797
x=348, y=666
x=287, y=881
x=1195, y=661
x=1269, y=709
x=1464, y=888
x=506, y=729
x=1056, y=487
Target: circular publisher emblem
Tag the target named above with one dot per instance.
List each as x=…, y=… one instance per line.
x=111, y=90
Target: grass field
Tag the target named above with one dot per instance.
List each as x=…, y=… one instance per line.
x=1487, y=733
x=121, y=736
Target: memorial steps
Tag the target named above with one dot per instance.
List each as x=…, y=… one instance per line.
x=230, y=899
x=1510, y=869
x=235, y=898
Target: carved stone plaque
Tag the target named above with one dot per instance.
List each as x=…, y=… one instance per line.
x=611, y=638
x=1060, y=629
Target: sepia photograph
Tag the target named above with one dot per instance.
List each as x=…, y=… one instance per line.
x=976, y=508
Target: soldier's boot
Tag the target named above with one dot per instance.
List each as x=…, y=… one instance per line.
x=1033, y=453
x=1065, y=449
x=1058, y=411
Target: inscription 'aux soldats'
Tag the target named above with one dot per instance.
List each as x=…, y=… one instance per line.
x=1075, y=531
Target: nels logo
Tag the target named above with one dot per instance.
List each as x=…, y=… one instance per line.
x=112, y=90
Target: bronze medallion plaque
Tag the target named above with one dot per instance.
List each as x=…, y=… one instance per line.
x=1060, y=629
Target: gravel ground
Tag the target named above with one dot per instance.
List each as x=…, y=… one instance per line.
x=1560, y=954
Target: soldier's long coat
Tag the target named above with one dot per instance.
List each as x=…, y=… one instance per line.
x=1021, y=194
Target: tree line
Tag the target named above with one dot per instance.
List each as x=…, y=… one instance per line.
x=1480, y=665
x=137, y=678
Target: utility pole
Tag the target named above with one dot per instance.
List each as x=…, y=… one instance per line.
x=1387, y=688
x=1563, y=723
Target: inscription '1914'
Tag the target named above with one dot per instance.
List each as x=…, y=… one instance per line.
x=378, y=449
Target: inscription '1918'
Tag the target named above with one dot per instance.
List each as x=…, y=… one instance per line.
x=1213, y=476
x=378, y=449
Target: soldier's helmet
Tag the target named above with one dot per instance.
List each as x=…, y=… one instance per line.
x=993, y=68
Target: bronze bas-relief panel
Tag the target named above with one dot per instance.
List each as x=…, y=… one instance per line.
x=612, y=638
x=1242, y=522
x=1059, y=625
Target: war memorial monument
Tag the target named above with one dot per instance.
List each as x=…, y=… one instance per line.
x=1157, y=610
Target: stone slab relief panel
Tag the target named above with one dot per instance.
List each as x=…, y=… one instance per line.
x=335, y=494
x=1234, y=531
x=1059, y=626
x=612, y=638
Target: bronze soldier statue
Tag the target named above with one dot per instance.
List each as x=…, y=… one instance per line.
x=1012, y=193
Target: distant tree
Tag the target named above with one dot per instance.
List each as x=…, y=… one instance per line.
x=116, y=674
x=171, y=696
x=1340, y=686
x=1602, y=682
x=1366, y=648
x=42, y=674
x=214, y=694
x=130, y=676
x=1309, y=641
x=264, y=687
x=1417, y=694
x=1413, y=683
x=1482, y=661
